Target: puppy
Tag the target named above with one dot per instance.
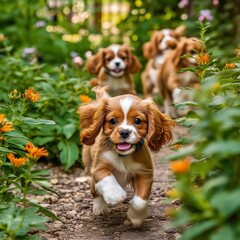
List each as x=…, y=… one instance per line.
x=117, y=135
x=156, y=50
x=113, y=66
x=171, y=82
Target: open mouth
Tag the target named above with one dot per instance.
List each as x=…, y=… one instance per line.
x=123, y=146
x=117, y=70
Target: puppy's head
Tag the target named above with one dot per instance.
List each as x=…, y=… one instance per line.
x=189, y=47
x=116, y=59
x=165, y=39
x=124, y=122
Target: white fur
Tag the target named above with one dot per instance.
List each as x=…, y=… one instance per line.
x=99, y=206
x=137, y=211
x=112, y=64
x=110, y=189
x=177, y=95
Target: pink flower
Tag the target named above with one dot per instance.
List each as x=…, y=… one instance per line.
x=183, y=3
x=205, y=15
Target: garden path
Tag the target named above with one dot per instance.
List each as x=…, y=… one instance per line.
x=74, y=207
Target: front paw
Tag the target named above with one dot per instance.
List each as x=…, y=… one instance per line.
x=137, y=211
x=111, y=191
x=99, y=206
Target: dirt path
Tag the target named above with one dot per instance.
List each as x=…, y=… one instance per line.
x=74, y=207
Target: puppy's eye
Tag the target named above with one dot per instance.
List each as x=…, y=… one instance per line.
x=137, y=121
x=109, y=59
x=113, y=121
x=123, y=58
x=193, y=52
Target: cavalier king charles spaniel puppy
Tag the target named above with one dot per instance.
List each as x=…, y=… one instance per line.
x=113, y=66
x=173, y=84
x=117, y=135
x=156, y=50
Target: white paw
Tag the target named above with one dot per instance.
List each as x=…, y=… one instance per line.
x=110, y=189
x=99, y=206
x=137, y=211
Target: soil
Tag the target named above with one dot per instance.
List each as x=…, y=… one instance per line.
x=74, y=207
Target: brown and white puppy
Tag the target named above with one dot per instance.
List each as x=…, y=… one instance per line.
x=172, y=83
x=117, y=135
x=113, y=66
x=156, y=50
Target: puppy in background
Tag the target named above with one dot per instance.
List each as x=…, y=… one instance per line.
x=113, y=66
x=156, y=50
x=172, y=83
x=117, y=135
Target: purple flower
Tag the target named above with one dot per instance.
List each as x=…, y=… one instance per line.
x=183, y=3
x=205, y=15
x=28, y=51
x=40, y=24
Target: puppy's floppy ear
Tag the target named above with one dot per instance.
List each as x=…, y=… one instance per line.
x=133, y=62
x=148, y=50
x=95, y=62
x=159, y=127
x=91, y=120
x=180, y=30
x=179, y=51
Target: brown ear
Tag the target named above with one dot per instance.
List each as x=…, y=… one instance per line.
x=179, y=51
x=180, y=30
x=159, y=128
x=95, y=62
x=134, y=64
x=91, y=120
x=149, y=51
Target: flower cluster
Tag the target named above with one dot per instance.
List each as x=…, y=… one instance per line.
x=180, y=166
x=203, y=58
x=16, y=162
x=4, y=125
x=32, y=95
x=85, y=99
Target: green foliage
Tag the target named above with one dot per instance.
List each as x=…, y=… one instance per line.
x=210, y=190
x=18, y=179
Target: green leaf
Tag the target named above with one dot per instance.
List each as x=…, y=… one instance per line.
x=223, y=148
x=44, y=186
x=45, y=211
x=3, y=149
x=226, y=202
x=225, y=232
x=69, y=130
x=199, y=229
x=69, y=153
x=37, y=121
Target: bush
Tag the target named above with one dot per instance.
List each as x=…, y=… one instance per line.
x=209, y=186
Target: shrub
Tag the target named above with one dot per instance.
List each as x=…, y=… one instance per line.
x=209, y=189
x=18, y=176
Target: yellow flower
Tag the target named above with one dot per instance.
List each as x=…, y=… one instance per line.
x=230, y=65
x=4, y=126
x=85, y=99
x=176, y=146
x=32, y=95
x=180, y=166
x=35, y=152
x=14, y=94
x=16, y=162
x=173, y=193
x=203, y=58
x=2, y=37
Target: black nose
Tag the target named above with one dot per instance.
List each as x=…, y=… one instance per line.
x=124, y=134
x=117, y=64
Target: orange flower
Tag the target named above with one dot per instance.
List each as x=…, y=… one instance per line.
x=230, y=65
x=203, y=58
x=32, y=95
x=180, y=166
x=16, y=162
x=85, y=99
x=35, y=152
x=4, y=126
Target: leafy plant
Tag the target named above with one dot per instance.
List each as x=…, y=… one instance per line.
x=18, y=157
x=209, y=186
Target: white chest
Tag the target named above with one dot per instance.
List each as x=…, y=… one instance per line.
x=116, y=83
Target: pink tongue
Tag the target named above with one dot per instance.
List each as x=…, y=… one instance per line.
x=124, y=146
x=117, y=70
